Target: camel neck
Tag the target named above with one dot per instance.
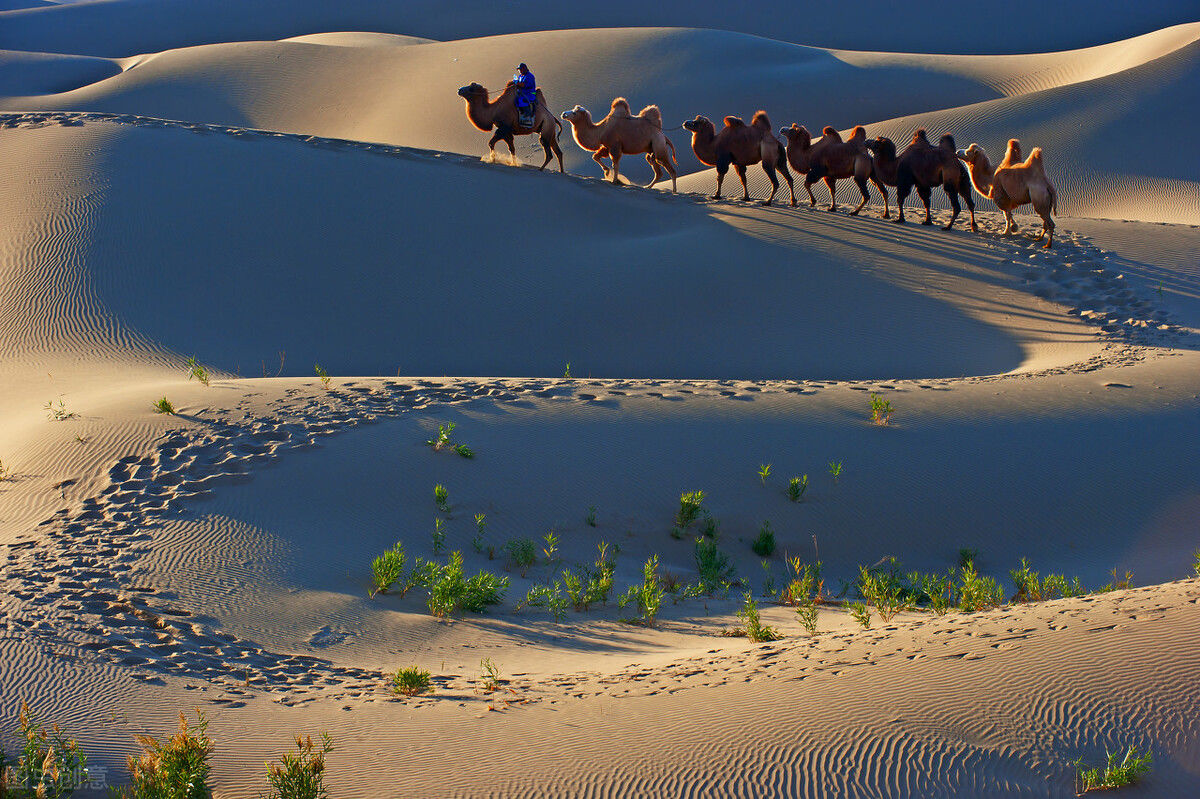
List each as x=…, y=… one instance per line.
x=703, y=147
x=980, y=171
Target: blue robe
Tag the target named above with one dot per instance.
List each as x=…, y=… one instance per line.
x=526, y=90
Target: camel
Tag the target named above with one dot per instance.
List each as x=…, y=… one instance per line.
x=923, y=166
x=622, y=133
x=1013, y=184
x=831, y=159
x=741, y=145
x=502, y=115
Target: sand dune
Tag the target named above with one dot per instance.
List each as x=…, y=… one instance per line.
x=297, y=184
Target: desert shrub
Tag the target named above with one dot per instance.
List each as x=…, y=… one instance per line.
x=489, y=675
x=861, y=614
x=442, y=497
x=438, y=538
x=976, y=592
x=322, y=375
x=451, y=591
x=1030, y=587
x=549, y=597
x=550, y=550
x=176, y=768
x=388, y=568
x=807, y=614
x=197, y=370
x=48, y=764
x=442, y=439
x=58, y=413
x=885, y=591
x=764, y=471
x=411, y=681
x=646, y=595
x=689, y=508
x=421, y=575
x=164, y=405
x=521, y=552
x=598, y=578
x=480, y=526
x=1116, y=582
x=755, y=630
x=764, y=544
x=805, y=584
x=938, y=590
x=710, y=527
x=300, y=775
x=835, y=470
x=796, y=488
x=1119, y=771
x=881, y=410
x=5, y=473
x=716, y=572
x=967, y=556
x=1196, y=563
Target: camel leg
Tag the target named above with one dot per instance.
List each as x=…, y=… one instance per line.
x=925, y=193
x=902, y=189
x=1010, y=224
x=558, y=153
x=809, y=180
x=883, y=190
x=970, y=200
x=862, y=187
x=788, y=177
x=615, y=155
x=599, y=157
x=497, y=136
x=722, y=169
x=658, y=173
x=831, y=184
x=770, y=170
x=664, y=159
x=952, y=193
x=741, y=173
x=546, y=142
x=1042, y=205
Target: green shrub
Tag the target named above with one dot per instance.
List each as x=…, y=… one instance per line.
x=489, y=675
x=978, y=593
x=598, y=577
x=197, y=370
x=807, y=614
x=421, y=576
x=300, y=775
x=411, y=681
x=176, y=768
x=549, y=597
x=647, y=595
x=1031, y=588
x=442, y=497
x=755, y=630
x=805, y=584
x=966, y=557
x=710, y=527
x=164, y=406
x=938, y=591
x=884, y=590
x=439, y=536
x=764, y=471
x=861, y=614
x=1196, y=563
x=480, y=524
x=324, y=378
x=521, y=553
x=388, y=568
x=689, y=508
x=58, y=413
x=1119, y=771
x=835, y=470
x=764, y=544
x=49, y=764
x=1116, y=582
x=796, y=488
x=442, y=439
x=715, y=570
x=881, y=410
x=451, y=591
x=550, y=550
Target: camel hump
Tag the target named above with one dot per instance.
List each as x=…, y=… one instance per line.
x=651, y=113
x=830, y=133
x=859, y=132
x=735, y=122
x=620, y=107
x=760, y=119
x=1035, y=156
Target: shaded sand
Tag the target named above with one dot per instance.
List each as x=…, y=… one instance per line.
x=266, y=205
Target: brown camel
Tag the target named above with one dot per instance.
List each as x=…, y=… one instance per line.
x=831, y=159
x=502, y=115
x=1013, y=184
x=923, y=166
x=741, y=145
x=622, y=133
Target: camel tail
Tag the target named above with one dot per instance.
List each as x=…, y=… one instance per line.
x=1053, y=196
x=671, y=144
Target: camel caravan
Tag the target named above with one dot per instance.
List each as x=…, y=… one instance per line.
x=922, y=165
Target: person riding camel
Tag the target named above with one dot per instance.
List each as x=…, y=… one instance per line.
x=526, y=95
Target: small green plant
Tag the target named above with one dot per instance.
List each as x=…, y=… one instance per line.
x=881, y=410
x=480, y=525
x=1118, y=772
x=550, y=550
x=599, y=576
x=976, y=592
x=421, y=576
x=938, y=590
x=709, y=526
x=1116, y=583
x=755, y=630
x=567, y=371
x=549, y=597
x=411, y=681
x=807, y=614
x=884, y=591
x=835, y=470
x=322, y=375
x=439, y=535
x=489, y=675
x=300, y=775
x=451, y=591
x=590, y=519
x=764, y=544
x=1030, y=587
x=689, y=508
x=49, y=764
x=796, y=488
x=861, y=614
x=716, y=572
x=464, y=451
x=805, y=584
x=966, y=557
x=4, y=472
x=1196, y=563
x=176, y=768
x=164, y=406
x=647, y=595
x=442, y=497
x=442, y=441
x=197, y=370
x=58, y=413
x=388, y=568
x=764, y=471
x=521, y=553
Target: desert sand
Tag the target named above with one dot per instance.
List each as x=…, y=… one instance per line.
x=268, y=186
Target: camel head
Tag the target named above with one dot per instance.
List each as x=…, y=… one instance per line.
x=882, y=147
x=473, y=91
x=797, y=134
x=577, y=113
x=972, y=154
x=701, y=125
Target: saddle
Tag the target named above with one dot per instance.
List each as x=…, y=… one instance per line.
x=525, y=116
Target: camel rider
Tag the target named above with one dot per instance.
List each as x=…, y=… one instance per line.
x=526, y=95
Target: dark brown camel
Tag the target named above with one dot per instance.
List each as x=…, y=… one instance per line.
x=923, y=166
x=502, y=115
x=740, y=145
x=832, y=159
